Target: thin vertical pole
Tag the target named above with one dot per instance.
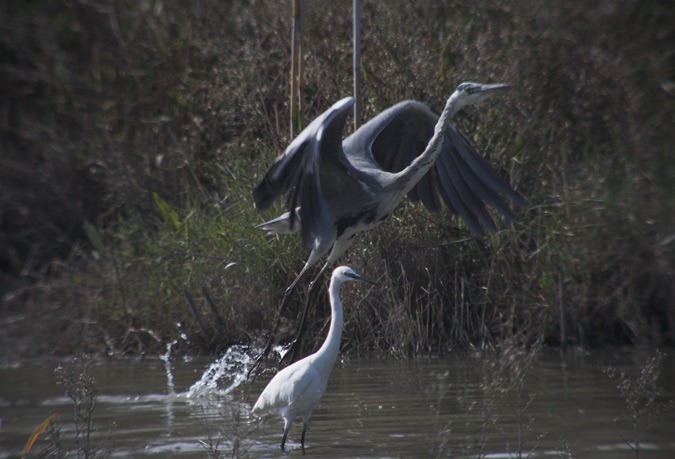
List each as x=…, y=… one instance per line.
x=357, y=66
x=296, y=65
x=301, y=20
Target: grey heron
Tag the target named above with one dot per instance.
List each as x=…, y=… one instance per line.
x=339, y=188
x=347, y=187
x=296, y=390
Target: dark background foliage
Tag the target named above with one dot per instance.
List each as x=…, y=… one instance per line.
x=133, y=132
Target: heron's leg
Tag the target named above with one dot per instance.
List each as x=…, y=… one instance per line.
x=313, y=258
x=295, y=347
x=339, y=247
x=270, y=339
x=316, y=278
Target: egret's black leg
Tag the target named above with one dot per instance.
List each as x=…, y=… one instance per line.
x=302, y=439
x=283, y=439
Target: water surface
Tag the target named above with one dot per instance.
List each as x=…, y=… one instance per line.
x=454, y=406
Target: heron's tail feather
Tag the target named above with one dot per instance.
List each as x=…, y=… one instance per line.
x=283, y=224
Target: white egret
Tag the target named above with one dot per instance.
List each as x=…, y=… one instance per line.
x=296, y=390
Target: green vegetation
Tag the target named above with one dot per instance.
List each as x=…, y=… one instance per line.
x=133, y=132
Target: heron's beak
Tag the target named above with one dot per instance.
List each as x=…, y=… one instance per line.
x=361, y=278
x=492, y=87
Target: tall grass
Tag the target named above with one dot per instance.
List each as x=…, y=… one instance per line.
x=133, y=133
x=643, y=397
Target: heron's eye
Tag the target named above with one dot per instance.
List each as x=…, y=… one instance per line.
x=471, y=89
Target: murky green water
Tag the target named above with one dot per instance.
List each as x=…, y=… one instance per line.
x=374, y=407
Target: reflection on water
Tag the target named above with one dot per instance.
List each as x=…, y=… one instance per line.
x=373, y=407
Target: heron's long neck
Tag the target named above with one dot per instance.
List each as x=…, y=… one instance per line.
x=421, y=165
x=329, y=350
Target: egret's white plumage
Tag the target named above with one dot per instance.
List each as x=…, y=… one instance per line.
x=296, y=390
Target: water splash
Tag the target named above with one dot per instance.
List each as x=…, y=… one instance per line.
x=166, y=358
x=220, y=378
x=232, y=366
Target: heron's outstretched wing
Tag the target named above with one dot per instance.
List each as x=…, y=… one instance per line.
x=464, y=181
x=298, y=171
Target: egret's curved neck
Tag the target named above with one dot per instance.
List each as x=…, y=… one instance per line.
x=421, y=165
x=326, y=355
